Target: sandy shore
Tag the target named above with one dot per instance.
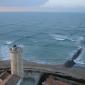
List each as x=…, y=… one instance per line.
x=76, y=72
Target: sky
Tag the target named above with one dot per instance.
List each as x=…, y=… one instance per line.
x=41, y=5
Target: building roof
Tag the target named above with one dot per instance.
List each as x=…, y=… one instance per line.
x=13, y=80
x=8, y=79
x=4, y=75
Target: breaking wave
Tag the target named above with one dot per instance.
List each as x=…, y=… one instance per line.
x=59, y=37
x=8, y=42
x=4, y=52
x=80, y=60
x=74, y=38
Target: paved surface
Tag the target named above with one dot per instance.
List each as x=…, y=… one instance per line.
x=76, y=72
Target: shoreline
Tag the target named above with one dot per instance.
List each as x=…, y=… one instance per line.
x=39, y=62
x=76, y=72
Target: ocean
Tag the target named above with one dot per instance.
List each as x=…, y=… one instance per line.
x=50, y=38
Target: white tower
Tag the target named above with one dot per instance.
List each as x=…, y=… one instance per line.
x=16, y=61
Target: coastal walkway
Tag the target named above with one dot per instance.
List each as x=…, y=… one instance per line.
x=76, y=71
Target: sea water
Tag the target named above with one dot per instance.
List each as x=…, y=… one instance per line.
x=50, y=38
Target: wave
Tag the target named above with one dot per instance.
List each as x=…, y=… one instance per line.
x=8, y=42
x=4, y=52
x=80, y=59
x=12, y=42
x=80, y=62
x=61, y=37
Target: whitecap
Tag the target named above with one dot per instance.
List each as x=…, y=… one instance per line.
x=76, y=39
x=8, y=42
x=4, y=52
x=63, y=37
x=80, y=59
x=59, y=37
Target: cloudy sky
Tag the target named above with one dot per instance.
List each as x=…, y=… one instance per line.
x=41, y=5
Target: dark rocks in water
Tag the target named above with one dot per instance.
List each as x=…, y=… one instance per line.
x=75, y=56
x=69, y=63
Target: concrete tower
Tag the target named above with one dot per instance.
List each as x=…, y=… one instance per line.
x=0, y=63
x=16, y=61
x=0, y=59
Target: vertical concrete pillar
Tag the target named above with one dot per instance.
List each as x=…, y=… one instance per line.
x=0, y=63
x=16, y=61
x=0, y=59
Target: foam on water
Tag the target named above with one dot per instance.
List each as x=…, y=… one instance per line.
x=8, y=42
x=4, y=52
x=80, y=60
x=77, y=39
x=59, y=37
